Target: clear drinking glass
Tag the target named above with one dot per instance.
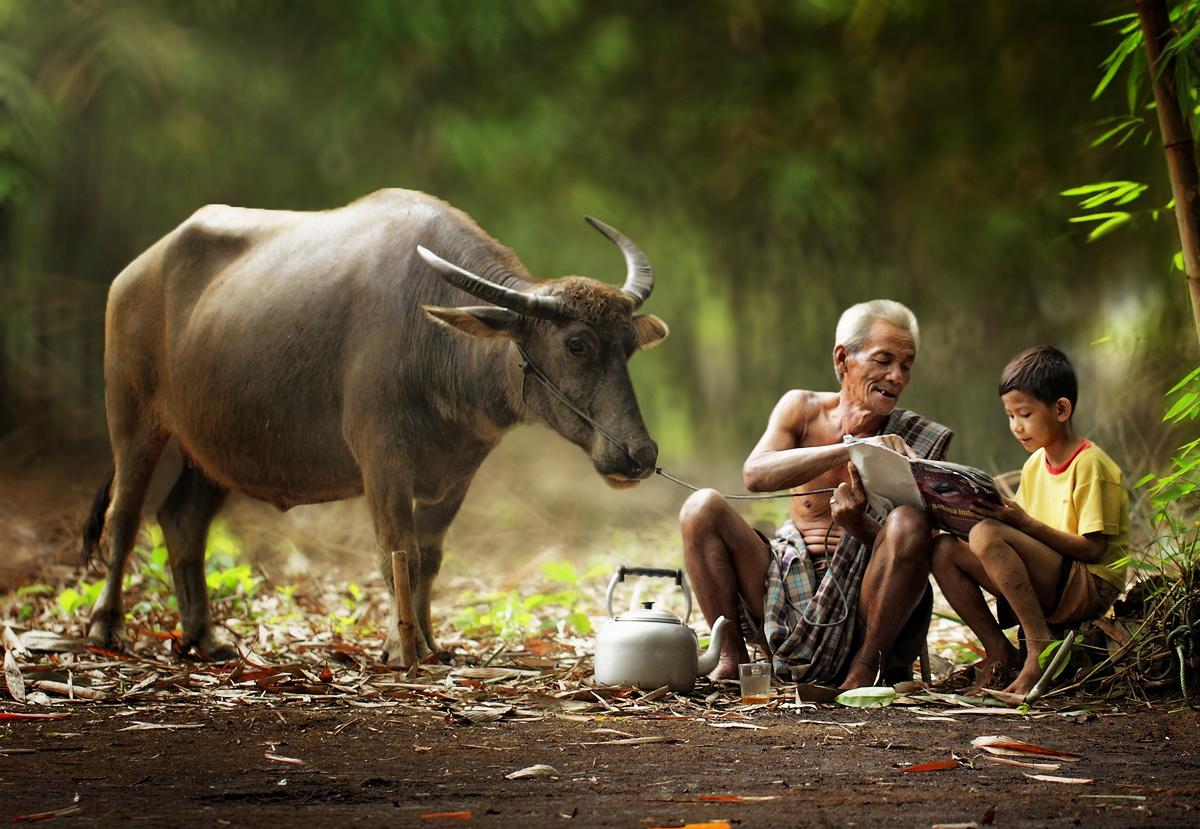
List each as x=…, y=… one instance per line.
x=755, y=678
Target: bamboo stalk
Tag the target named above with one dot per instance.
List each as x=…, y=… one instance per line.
x=1177, y=141
x=405, y=620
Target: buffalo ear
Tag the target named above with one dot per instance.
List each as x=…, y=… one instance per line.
x=650, y=330
x=478, y=321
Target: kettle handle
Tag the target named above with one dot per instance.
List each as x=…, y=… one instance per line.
x=653, y=572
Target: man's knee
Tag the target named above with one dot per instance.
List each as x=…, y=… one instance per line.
x=906, y=530
x=907, y=522
x=700, y=511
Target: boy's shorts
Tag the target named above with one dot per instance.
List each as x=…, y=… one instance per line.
x=1082, y=595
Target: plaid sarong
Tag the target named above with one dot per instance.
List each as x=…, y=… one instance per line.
x=809, y=622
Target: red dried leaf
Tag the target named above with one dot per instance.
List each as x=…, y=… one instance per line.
x=1009, y=744
x=934, y=765
x=735, y=798
x=326, y=674
x=445, y=816
x=106, y=652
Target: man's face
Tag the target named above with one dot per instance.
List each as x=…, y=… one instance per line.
x=875, y=376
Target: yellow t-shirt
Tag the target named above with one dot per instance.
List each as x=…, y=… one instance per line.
x=1086, y=497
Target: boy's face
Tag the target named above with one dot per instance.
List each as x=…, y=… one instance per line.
x=1033, y=423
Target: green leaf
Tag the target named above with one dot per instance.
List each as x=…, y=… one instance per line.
x=1177, y=263
x=1108, y=222
x=1097, y=187
x=35, y=590
x=1115, y=61
x=580, y=622
x=870, y=697
x=1120, y=17
x=1181, y=405
x=69, y=600
x=560, y=571
x=1191, y=375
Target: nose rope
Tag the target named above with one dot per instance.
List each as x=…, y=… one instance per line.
x=529, y=367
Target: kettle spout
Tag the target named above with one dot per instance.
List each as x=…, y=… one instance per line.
x=708, y=660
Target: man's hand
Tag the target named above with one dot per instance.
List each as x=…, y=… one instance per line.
x=893, y=442
x=848, y=508
x=1007, y=511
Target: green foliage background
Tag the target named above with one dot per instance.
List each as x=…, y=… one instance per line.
x=777, y=161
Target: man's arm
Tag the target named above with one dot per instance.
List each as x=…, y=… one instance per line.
x=778, y=461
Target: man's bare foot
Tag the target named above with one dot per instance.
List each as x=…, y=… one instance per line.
x=1025, y=680
x=726, y=669
x=863, y=672
x=994, y=674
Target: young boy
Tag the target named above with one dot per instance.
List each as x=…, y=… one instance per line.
x=1056, y=553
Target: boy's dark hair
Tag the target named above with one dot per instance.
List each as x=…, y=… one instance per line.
x=1043, y=371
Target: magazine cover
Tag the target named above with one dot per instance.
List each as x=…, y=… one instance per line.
x=947, y=492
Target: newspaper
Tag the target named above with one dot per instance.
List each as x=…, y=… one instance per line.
x=946, y=492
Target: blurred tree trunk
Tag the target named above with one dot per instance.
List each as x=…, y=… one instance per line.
x=1177, y=141
x=7, y=390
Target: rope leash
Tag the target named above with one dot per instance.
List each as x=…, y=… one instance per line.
x=529, y=367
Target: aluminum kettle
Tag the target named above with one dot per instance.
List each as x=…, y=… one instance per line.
x=650, y=648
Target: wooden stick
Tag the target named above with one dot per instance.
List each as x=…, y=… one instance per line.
x=405, y=623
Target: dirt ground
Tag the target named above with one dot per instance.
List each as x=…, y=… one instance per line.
x=827, y=766
x=188, y=761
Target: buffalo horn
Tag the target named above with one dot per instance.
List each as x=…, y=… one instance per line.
x=639, y=278
x=523, y=303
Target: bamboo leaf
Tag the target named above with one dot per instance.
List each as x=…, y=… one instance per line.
x=870, y=697
x=1115, y=60
x=1181, y=405
x=1109, y=226
x=1096, y=187
x=1194, y=373
x=1134, y=80
x=1120, y=17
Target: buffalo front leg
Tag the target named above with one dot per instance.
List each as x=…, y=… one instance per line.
x=185, y=517
x=432, y=520
x=392, y=511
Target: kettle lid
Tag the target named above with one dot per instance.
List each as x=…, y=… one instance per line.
x=647, y=613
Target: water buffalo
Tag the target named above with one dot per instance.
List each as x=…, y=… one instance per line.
x=308, y=357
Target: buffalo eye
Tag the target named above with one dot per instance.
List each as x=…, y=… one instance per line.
x=577, y=346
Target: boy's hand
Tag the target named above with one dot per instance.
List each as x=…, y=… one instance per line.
x=1007, y=511
x=848, y=506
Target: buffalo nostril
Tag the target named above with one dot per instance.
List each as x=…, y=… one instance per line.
x=643, y=458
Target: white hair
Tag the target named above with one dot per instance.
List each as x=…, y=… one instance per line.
x=854, y=326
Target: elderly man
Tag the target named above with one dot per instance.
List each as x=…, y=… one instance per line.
x=833, y=595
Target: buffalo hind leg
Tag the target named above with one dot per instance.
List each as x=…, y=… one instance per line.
x=185, y=517
x=432, y=519
x=135, y=454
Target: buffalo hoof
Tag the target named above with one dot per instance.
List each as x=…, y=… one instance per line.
x=102, y=632
x=211, y=648
x=391, y=651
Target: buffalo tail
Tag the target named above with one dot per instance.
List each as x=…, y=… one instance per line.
x=93, y=527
